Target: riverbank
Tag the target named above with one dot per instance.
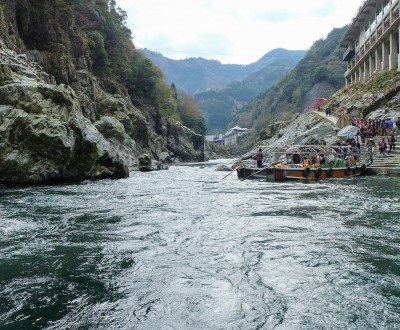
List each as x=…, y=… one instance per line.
x=316, y=128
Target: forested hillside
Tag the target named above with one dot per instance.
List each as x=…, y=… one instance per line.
x=319, y=74
x=223, y=89
x=219, y=106
x=193, y=75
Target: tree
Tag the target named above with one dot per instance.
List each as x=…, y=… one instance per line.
x=190, y=114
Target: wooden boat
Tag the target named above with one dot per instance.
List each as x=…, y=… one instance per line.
x=307, y=163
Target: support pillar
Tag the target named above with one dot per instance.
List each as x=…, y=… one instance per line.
x=398, y=48
x=393, y=57
x=385, y=55
x=371, y=64
x=378, y=59
x=366, y=69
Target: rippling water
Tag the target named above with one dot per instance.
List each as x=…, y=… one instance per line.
x=183, y=249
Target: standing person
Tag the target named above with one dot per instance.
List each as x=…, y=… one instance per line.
x=259, y=157
x=392, y=143
x=298, y=132
x=358, y=145
x=389, y=126
x=382, y=147
x=384, y=128
x=362, y=133
x=398, y=125
x=370, y=147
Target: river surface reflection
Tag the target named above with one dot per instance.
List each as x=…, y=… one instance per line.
x=183, y=249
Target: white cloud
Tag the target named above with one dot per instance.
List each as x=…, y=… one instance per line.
x=233, y=31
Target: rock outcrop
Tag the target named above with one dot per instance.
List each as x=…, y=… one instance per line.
x=44, y=136
x=58, y=120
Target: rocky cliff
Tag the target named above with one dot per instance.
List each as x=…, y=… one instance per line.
x=62, y=117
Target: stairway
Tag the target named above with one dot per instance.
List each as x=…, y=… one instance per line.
x=388, y=165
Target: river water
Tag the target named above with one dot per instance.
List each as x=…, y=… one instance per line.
x=183, y=249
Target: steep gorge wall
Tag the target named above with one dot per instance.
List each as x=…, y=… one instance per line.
x=60, y=121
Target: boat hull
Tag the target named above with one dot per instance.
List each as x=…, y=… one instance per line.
x=244, y=173
x=314, y=174
x=301, y=173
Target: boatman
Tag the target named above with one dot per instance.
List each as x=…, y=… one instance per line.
x=259, y=158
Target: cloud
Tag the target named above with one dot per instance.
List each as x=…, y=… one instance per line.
x=234, y=31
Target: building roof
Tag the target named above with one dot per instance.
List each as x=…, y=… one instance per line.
x=357, y=22
x=235, y=130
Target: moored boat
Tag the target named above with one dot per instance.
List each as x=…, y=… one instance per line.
x=307, y=163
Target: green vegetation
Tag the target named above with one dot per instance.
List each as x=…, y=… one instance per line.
x=190, y=114
x=95, y=30
x=322, y=65
x=219, y=107
x=381, y=81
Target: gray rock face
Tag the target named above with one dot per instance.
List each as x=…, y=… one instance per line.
x=44, y=136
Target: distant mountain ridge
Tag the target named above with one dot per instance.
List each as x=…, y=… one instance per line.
x=318, y=75
x=195, y=75
x=224, y=89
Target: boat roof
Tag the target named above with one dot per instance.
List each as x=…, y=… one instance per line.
x=310, y=149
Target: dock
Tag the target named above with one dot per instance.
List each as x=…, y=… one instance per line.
x=388, y=165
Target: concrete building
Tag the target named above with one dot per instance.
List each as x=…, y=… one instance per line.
x=372, y=40
x=233, y=135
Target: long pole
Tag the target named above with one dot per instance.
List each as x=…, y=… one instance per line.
x=231, y=172
x=253, y=174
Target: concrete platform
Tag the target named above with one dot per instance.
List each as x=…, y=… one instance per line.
x=388, y=165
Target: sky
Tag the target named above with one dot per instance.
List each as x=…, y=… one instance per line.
x=233, y=31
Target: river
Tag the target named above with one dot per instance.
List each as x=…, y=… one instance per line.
x=183, y=249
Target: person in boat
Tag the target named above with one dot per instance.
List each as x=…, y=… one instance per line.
x=296, y=158
x=370, y=147
x=322, y=159
x=358, y=144
x=347, y=161
x=259, y=158
x=314, y=160
x=306, y=161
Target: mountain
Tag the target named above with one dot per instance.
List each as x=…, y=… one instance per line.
x=195, y=75
x=219, y=107
x=318, y=75
x=221, y=90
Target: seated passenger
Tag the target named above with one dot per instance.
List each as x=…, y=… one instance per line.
x=296, y=158
x=322, y=159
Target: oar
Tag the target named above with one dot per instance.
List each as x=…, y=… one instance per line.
x=253, y=174
x=231, y=172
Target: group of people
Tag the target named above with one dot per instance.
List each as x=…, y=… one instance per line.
x=367, y=130
x=370, y=145
x=376, y=127
x=328, y=111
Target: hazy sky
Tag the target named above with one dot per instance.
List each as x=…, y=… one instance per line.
x=233, y=31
